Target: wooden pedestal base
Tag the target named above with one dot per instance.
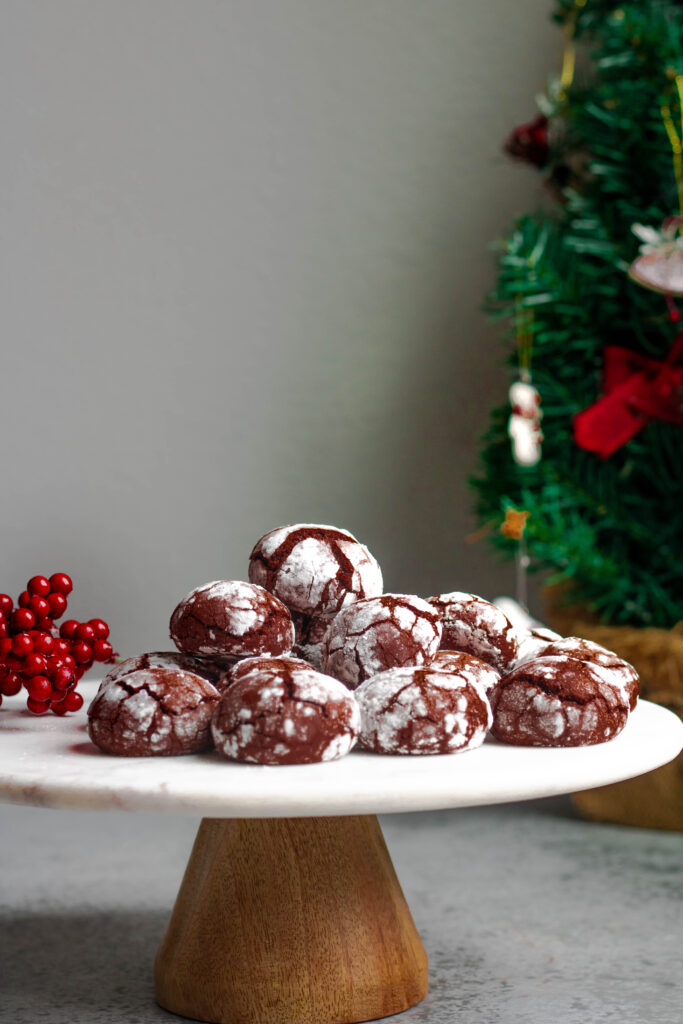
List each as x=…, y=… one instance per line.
x=290, y=921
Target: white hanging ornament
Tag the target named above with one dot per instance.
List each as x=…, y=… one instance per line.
x=524, y=425
x=660, y=263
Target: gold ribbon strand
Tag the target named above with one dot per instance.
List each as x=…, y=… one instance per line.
x=676, y=138
x=569, y=53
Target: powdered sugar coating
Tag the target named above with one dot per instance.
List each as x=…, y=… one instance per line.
x=313, y=569
x=558, y=701
x=153, y=712
x=231, y=618
x=278, y=712
x=379, y=633
x=422, y=711
x=466, y=667
x=533, y=642
x=476, y=626
x=618, y=672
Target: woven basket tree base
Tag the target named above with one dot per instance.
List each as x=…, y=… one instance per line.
x=654, y=800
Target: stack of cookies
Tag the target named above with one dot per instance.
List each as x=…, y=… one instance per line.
x=310, y=657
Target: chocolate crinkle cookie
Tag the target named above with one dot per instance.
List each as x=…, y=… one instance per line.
x=558, y=701
x=466, y=666
x=277, y=712
x=229, y=618
x=379, y=633
x=314, y=570
x=424, y=711
x=153, y=712
x=477, y=627
x=618, y=671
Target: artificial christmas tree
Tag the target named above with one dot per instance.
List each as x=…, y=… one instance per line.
x=588, y=287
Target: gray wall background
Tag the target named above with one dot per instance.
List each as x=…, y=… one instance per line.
x=244, y=250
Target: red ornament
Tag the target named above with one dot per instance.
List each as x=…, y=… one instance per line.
x=637, y=389
x=529, y=142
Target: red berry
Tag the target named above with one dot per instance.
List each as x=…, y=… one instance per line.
x=61, y=648
x=6, y=604
x=22, y=644
x=68, y=628
x=57, y=705
x=102, y=650
x=45, y=625
x=38, y=585
x=5, y=646
x=35, y=665
x=73, y=701
x=23, y=619
x=69, y=662
x=39, y=688
x=11, y=684
x=24, y=598
x=4, y=630
x=44, y=643
x=81, y=653
x=13, y=663
x=101, y=628
x=37, y=707
x=57, y=603
x=85, y=632
x=60, y=583
x=39, y=607
x=62, y=678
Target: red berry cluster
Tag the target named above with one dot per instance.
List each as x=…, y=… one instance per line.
x=46, y=661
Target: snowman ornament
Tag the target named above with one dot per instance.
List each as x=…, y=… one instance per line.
x=524, y=425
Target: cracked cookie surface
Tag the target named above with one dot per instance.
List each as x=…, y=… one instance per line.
x=467, y=666
x=477, y=627
x=379, y=633
x=424, y=711
x=281, y=711
x=229, y=618
x=620, y=672
x=558, y=701
x=314, y=570
x=153, y=712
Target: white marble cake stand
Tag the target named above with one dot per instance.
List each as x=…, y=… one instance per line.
x=290, y=911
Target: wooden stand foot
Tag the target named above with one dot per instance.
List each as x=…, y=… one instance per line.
x=290, y=921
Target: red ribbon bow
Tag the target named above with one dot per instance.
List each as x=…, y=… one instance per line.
x=637, y=390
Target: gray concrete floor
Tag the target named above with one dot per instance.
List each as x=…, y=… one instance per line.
x=528, y=915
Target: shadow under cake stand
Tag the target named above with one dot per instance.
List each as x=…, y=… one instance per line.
x=290, y=911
